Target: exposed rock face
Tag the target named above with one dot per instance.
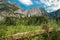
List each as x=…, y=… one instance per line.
x=7, y=9
x=24, y=13
x=37, y=12
x=33, y=12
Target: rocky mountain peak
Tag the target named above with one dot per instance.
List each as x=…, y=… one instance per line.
x=36, y=11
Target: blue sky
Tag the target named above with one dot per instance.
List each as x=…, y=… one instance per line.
x=49, y=5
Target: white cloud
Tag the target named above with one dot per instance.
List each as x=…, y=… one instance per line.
x=26, y=2
x=51, y=4
x=48, y=2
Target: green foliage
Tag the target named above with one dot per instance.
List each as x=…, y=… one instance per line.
x=33, y=20
x=53, y=35
x=11, y=21
x=10, y=29
x=2, y=34
x=25, y=21
x=58, y=20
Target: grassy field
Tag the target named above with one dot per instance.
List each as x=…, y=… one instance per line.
x=53, y=24
x=10, y=30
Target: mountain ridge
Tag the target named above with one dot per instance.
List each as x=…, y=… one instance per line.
x=35, y=11
x=55, y=14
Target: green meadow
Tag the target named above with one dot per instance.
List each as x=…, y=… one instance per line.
x=13, y=26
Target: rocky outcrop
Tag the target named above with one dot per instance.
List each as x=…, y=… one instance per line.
x=16, y=11
x=36, y=11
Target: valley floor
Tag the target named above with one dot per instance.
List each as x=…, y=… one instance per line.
x=10, y=30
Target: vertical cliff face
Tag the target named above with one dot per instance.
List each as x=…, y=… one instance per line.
x=18, y=11
x=32, y=12
x=37, y=12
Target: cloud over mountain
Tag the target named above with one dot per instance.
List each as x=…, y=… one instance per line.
x=26, y=2
x=49, y=5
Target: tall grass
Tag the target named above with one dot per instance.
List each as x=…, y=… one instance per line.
x=9, y=30
x=13, y=26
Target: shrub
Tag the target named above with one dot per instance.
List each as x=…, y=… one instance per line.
x=58, y=20
x=2, y=34
x=11, y=21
